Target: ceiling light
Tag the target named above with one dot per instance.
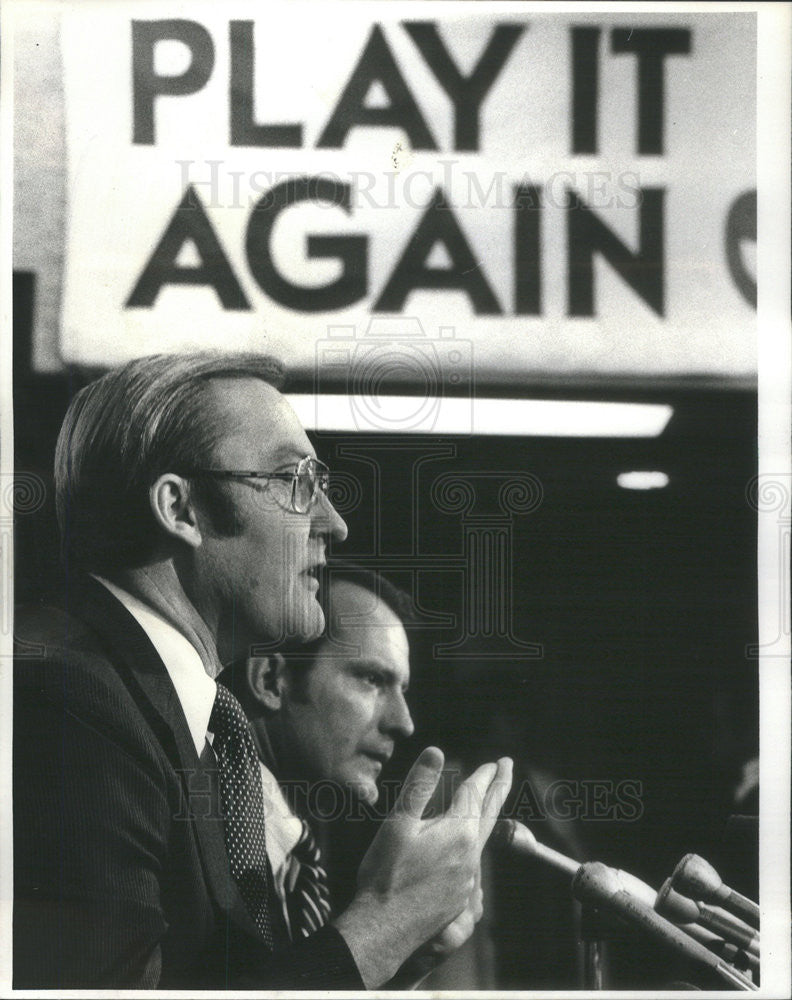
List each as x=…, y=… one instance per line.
x=383, y=414
x=642, y=480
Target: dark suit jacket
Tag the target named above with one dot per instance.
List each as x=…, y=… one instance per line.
x=120, y=867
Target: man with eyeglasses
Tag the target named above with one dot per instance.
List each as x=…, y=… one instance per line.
x=194, y=520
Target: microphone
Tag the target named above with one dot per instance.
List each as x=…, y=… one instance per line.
x=598, y=885
x=697, y=878
x=512, y=834
x=519, y=838
x=680, y=909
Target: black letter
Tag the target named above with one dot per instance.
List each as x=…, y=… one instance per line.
x=527, y=251
x=438, y=225
x=741, y=225
x=642, y=270
x=466, y=92
x=189, y=222
x=244, y=131
x=352, y=250
x=376, y=64
x=146, y=84
x=651, y=45
x=585, y=89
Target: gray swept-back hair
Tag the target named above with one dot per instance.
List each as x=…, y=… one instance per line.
x=121, y=433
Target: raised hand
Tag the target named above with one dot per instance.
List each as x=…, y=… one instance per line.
x=454, y=934
x=420, y=876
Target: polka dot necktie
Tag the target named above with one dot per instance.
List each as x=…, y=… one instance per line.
x=309, y=901
x=243, y=806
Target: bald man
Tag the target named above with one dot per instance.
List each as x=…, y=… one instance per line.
x=333, y=713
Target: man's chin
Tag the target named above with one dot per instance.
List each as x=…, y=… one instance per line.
x=310, y=624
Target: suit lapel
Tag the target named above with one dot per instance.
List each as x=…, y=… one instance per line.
x=147, y=678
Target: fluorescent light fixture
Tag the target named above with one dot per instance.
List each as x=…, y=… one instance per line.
x=642, y=480
x=381, y=414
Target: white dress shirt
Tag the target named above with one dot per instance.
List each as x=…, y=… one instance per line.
x=284, y=829
x=196, y=692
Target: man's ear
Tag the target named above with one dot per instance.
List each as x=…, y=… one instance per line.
x=266, y=676
x=173, y=510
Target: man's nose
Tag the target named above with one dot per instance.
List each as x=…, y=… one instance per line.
x=325, y=519
x=396, y=720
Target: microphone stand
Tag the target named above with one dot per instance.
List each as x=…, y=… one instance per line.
x=594, y=948
x=607, y=891
x=598, y=884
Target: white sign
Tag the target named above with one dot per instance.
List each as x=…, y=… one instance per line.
x=547, y=193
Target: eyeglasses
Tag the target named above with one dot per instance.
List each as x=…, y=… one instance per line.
x=309, y=478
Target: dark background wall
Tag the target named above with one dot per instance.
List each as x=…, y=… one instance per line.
x=625, y=658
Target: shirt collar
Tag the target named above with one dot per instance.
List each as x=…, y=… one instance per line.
x=195, y=689
x=284, y=829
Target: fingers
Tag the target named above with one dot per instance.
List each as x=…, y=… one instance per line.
x=494, y=798
x=469, y=798
x=419, y=785
x=477, y=905
x=476, y=900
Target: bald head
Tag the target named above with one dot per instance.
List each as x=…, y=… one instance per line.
x=335, y=711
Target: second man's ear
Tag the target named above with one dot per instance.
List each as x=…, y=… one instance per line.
x=265, y=680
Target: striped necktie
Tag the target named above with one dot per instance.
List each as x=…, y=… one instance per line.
x=309, y=901
x=242, y=801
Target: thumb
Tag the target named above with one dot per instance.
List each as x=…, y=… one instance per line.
x=419, y=785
